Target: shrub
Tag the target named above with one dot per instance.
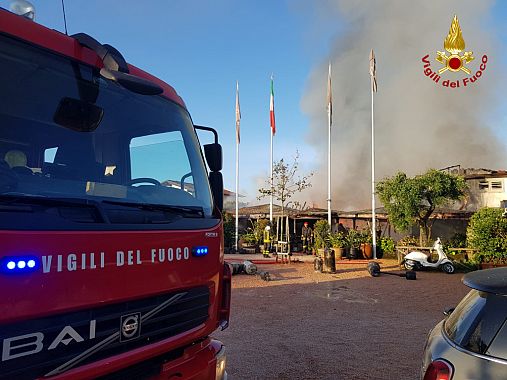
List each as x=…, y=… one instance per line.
x=249, y=238
x=321, y=233
x=387, y=245
x=366, y=237
x=338, y=240
x=258, y=229
x=409, y=241
x=354, y=239
x=458, y=240
x=487, y=232
x=229, y=230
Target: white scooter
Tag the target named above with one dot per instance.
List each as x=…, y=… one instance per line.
x=417, y=260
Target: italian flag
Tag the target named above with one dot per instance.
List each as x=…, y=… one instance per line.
x=272, y=109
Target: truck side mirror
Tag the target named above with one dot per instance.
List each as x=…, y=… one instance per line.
x=213, y=154
x=217, y=188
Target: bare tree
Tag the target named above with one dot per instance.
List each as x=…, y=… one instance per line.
x=286, y=182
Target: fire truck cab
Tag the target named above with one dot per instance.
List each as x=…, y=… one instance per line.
x=111, y=237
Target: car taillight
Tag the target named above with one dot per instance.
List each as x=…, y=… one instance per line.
x=225, y=303
x=439, y=370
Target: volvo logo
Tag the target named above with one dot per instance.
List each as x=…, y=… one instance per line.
x=130, y=326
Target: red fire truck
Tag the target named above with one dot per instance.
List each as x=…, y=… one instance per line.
x=111, y=237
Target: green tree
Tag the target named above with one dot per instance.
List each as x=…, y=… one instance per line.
x=410, y=201
x=285, y=182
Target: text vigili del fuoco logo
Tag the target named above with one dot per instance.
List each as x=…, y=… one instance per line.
x=456, y=62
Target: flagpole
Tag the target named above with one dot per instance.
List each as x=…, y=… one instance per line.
x=237, y=189
x=238, y=116
x=329, y=149
x=271, y=179
x=373, y=218
x=272, y=125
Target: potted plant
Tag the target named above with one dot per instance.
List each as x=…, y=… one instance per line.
x=367, y=244
x=321, y=232
x=338, y=242
x=248, y=242
x=354, y=242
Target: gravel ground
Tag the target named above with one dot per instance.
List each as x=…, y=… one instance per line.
x=348, y=325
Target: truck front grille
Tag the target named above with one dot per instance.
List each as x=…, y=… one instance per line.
x=55, y=344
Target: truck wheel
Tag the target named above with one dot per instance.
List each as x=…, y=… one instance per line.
x=448, y=268
x=409, y=265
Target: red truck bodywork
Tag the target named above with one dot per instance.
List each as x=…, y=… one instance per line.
x=127, y=265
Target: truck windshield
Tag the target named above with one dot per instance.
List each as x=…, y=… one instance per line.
x=67, y=133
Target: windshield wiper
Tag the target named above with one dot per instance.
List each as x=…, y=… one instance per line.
x=194, y=211
x=12, y=198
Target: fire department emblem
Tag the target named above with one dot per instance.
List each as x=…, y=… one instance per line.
x=454, y=44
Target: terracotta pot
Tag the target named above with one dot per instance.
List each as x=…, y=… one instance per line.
x=367, y=249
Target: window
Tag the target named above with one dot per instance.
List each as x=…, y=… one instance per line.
x=163, y=157
x=498, y=348
x=496, y=185
x=144, y=150
x=49, y=155
x=476, y=321
x=491, y=185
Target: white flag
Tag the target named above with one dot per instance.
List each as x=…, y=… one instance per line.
x=238, y=113
x=373, y=71
x=329, y=94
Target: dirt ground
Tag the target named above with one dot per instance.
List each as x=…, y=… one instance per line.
x=348, y=325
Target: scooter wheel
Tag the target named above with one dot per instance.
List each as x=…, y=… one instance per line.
x=448, y=268
x=409, y=265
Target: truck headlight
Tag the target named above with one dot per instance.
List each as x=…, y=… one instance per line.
x=221, y=374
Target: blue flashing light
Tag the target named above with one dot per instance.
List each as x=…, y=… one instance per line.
x=199, y=251
x=19, y=265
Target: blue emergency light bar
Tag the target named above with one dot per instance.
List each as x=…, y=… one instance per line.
x=19, y=264
x=199, y=251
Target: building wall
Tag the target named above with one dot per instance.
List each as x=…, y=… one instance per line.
x=486, y=192
x=442, y=228
x=445, y=228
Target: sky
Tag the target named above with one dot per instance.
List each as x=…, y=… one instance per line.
x=202, y=48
